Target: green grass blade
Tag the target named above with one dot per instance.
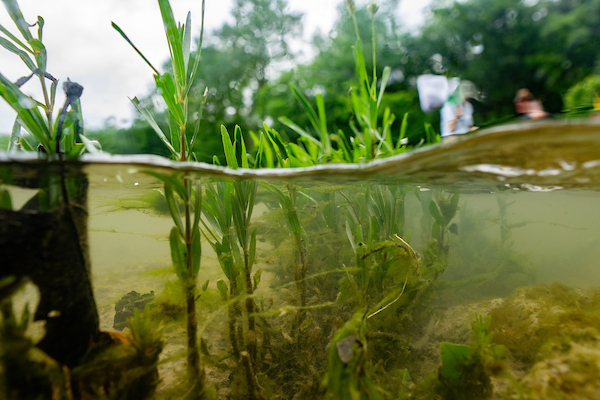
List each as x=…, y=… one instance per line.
x=200, y=112
x=134, y=47
x=196, y=252
x=174, y=40
x=173, y=182
x=15, y=14
x=40, y=23
x=27, y=111
x=15, y=50
x=174, y=209
x=198, y=54
x=228, y=148
x=323, y=124
x=150, y=119
x=238, y=219
x=240, y=137
x=252, y=251
x=186, y=44
x=287, y=122
x=384, y=80
x=92, y=146
x=310, y=111
x=14, y=39
x=15, y=136
x=178, y=254
x=402, y=130
x=198, y=203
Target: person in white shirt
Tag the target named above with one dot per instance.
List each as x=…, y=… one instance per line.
x=456, y=119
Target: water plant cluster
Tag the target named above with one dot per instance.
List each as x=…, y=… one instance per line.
x=322, y=295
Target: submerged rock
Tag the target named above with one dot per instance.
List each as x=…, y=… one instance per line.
x=124, y=307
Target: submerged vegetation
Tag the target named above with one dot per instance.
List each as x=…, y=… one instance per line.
x=361, y=290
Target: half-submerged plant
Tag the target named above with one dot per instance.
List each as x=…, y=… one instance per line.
x=369, y=139
x=228, y=208
x=55, y=135
x=180, y=189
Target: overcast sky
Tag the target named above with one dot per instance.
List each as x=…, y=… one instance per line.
x=83, y=46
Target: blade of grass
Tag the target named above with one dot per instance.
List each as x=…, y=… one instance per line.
x=174, y=41
x=134, y=47
x=15, y=14
x=384, y=79
x=14, y=39
x=15, y=50
x=150, y=119
x=186, y=43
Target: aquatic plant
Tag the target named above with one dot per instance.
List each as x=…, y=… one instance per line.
x=55, y=136
x=184, y=238
x=369, y=139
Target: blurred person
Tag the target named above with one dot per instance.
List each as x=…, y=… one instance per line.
x=456, y=116
x=528, y=106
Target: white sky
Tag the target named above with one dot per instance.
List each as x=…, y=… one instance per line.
x=83, y=46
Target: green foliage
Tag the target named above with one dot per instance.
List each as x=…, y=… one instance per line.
x=36, y=117
x=348, y=376
x=580, y=99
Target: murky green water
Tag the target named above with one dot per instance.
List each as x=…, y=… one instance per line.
x=504, y=224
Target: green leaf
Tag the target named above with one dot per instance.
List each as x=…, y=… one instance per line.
x=173, y=182
x=257, y=277
x=350, y=237
x=435, y=213
x=15, y=136
x=14, y=39
x=186, y=44
x=174, y=40
x=240, y=137
x=134, y=47
x=150, y=119
x=323, y=124
x=238, y=219
x=40, y=23
x=76, y=150
x=170, y=94
x=287, y=122
x=14, y=49
x=402, y=130
x=384, y=79
x=196, y=252
x=174, y=209
x=222, y=286
x=310, y=111
x=252, y=251
x=197, y=56
x=15, y=14
x=228, y=148
x=92, y=146
x=198, y=204
x=178, y=254
x=5, y=200
x=27, y=111
x=454, y=358
x=40, y=54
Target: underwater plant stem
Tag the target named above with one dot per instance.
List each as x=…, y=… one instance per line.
x=247, y=365
x=251, y=334
x=190, y=286
x=232, y=322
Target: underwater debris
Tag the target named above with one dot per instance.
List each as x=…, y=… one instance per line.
x=127, y=305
